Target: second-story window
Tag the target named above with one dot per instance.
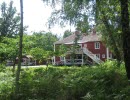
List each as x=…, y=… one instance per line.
x=97, y=45
x=61, y=58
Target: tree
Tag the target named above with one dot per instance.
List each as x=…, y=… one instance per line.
x=44, y=40
x=71, y=12
x=108, y=19
x=9, y=21
x=83, y=25
x=9, y=26
x=20, y=50
x=39, y=45
x=67, y=33
x=37, y=53
x=126, y=34
x=9, y=48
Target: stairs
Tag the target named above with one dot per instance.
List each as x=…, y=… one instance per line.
x=92, y=56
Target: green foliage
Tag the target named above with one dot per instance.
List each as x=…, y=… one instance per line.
x=71, y=12
x=39, y=45
x=2, y=67
x=6, y=85
x=83, y=25
x=109, y=24
x=8, y=49
x=61, y=50
x=102, y=82
x=44, y=40
x=37, y=53
x=67, y=33
x=9, y=21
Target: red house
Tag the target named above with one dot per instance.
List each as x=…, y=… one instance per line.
x=90, y=50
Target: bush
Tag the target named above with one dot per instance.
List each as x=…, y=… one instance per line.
x=6, y=85
x=103, y=82
x=2, y=67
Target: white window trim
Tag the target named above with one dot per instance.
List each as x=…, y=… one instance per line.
x=97, y=56
x=110, y=56
x=61, y=58
x=103, y=56
x=97, y=43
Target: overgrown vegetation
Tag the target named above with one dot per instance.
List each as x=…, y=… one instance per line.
x=103, y=82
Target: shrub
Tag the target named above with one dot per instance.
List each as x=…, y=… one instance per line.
x=102, y=82
x=6, y=85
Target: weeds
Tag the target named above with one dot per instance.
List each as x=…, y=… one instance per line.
x=103, y=82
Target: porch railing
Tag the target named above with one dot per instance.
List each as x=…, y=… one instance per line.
x=70, y=62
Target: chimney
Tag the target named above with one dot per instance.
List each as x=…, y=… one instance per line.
x=93, y=31
x=77, y=32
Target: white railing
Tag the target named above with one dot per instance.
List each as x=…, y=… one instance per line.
x=92, y=56
x=70, y=62
x=75, y=61
x=78, y=50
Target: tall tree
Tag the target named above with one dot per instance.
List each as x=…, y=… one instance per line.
x=9, y=21
x=44, y=40
x=71, y=12
x=20, y=49
x=108, y=19
x=9, y=48
x=9, y=25
x=126, y=34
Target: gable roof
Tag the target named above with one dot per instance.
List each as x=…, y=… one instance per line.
x=84, y=38
x=91, y=38
x=66, y=40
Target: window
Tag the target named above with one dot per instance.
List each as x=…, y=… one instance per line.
x=97, y=55
x=61, y=58
x=103, y=55
x=110, y=56
x=97, y=45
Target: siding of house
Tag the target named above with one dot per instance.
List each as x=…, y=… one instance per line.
x=101, y=50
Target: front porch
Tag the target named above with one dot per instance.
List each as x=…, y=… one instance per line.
x=70, y=62
x=79, y=59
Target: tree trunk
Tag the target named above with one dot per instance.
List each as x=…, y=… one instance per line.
x=126, y=35
x=117, y=52
x=14, y=65
x=20, y=51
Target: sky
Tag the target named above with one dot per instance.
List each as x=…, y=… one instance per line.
x=36, y=15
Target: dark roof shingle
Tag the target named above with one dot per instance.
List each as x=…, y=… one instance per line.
x=83, y=39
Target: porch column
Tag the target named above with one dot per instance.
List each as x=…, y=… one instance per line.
x=29, y=61
x=35, y=62
x=54, y=56
x=64, y=61
x=25, y=61
x=107, y=53
x=82, y=59
x=82, y=55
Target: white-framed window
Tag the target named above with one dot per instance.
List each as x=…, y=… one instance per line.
x=103, y=55
x=97, y=45
x=61, y=58
x=97, y=56
x=110, y=56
